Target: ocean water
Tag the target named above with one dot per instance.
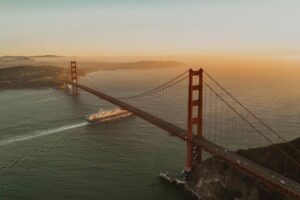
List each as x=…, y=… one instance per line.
x=48, y=151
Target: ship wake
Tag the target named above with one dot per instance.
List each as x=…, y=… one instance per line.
x=41, y=133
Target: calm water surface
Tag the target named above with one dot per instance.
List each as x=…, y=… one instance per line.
x=47, y=150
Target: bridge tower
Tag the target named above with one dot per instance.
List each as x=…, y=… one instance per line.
x=194, y=118
x=74, y=78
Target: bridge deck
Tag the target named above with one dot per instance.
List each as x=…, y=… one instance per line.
x=252, y=169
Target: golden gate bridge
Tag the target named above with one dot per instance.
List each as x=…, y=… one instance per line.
x=212, y=123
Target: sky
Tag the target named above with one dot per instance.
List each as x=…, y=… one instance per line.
x=144, y=27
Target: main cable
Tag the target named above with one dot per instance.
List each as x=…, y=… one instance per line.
x=258, y=131
x=252, y=114
x=156, y=89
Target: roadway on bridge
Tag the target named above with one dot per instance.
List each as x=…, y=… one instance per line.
x=252, y=169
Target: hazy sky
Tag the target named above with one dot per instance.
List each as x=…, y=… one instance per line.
x=149, y=27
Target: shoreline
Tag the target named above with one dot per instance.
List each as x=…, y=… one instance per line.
x=49, y=76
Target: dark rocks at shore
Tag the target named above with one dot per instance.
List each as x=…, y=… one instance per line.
x=215, y=179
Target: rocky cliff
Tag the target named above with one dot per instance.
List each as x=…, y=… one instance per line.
x=214, y=179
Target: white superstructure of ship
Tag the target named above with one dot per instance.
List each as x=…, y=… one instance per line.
x=102, y=115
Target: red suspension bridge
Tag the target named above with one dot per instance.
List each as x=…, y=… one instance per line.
x=212, y=123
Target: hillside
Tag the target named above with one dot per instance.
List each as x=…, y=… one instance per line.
x=273, y=159
x=215, y=179
x=30, y=77
x=88, y=67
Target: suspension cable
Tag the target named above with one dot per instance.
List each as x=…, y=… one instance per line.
x=178, y=81
x=249, y=123
x=156, y=89
x=88, y=81
x=252, y=114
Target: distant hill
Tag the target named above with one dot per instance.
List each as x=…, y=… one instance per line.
x=8, y=58
x=28, y=74
x=37, y=56
x=88, y=67
x=46, y=56
x=30, y=77
x=26, y=60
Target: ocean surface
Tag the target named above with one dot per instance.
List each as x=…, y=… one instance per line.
x=48, y=151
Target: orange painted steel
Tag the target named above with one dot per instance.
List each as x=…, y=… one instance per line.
x=263, y=175
x=196, y=143
x=74, y=78
x=193, y=152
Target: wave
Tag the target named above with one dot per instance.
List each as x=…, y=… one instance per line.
x=42, y=133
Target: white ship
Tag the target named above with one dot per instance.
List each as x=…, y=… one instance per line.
x=102, y=116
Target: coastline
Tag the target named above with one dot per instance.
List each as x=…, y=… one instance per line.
x=51, y=76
